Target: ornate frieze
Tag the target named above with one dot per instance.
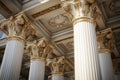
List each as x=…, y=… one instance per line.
x=81, y=10
x=105, y=41
x=46, y=11
x=39, y=49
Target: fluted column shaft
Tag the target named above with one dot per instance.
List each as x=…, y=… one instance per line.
x=106, y=66
x=57, y=77
x=11, y=64
x=37, y=70
x=85, y=46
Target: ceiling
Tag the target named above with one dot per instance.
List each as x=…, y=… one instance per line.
x=54, y=23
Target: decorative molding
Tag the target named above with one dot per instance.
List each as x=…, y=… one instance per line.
x=66, y=44
x=70, y=45
x=46, y=11
x=59, y=21
x=16, y=38
x=106, y=43
x=57, y=65
x=39, y=49
x=81, y=10
x=18, y=25
x=110, y=9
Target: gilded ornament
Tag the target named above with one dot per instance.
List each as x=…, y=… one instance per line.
x=105, y=41
x=46, y=11
x=39, y=49
x=81, y=10
x=59, y=21
x=16, y=38
x=17, y=25
x=57, y=65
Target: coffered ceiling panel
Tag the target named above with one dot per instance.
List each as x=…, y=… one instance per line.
x=51, y=16
x=66, y=45
x=111, y=11
x=55, y=22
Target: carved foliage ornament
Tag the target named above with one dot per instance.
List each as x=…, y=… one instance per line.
x=105, y=40
x=46, y=11
x=39, y=49
x=59, y=21
x=80, y=8
x=57, y=65
x=18, y=25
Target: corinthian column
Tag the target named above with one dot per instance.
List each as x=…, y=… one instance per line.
x=39, y=51
x=106, y=46
x=16, y=29
x=57, y=66
x=85, y=45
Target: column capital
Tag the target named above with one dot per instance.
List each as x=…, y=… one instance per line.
x=81, y=10
x=39, y=49
x=57, y=65
x=18, y=26
x=105, y=41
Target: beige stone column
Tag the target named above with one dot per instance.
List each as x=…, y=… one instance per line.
x=85, y=45
x=16, y=29
x=57, y=66
x=106, y=47
x=39, y=51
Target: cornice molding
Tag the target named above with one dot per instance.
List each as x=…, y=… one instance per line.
x=46, y=11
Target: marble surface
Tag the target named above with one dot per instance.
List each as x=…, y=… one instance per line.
x=12, y=60
x=37, y=70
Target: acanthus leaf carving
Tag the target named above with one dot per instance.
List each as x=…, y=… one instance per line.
x=39, y=49
x=57, y=65
x=81, y=9
x=105, y=40
x=18, y=25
